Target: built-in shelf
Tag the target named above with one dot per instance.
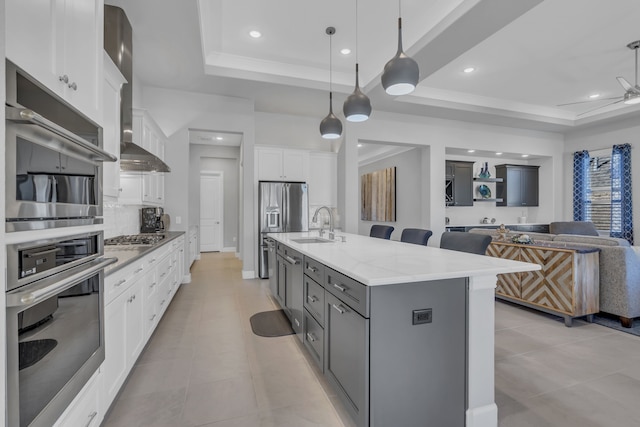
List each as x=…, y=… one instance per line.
x=487, y=200
x=478, y=179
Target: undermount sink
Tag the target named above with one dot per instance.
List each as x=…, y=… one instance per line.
x=311, y=240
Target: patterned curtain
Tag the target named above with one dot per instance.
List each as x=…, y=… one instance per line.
x=621, y=210
x=580, y=185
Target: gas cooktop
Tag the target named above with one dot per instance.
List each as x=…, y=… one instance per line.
x=135, y=239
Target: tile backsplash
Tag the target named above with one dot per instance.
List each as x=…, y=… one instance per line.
x=120, y=219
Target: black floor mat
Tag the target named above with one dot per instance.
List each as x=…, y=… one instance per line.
x=31, y=352
x=271, y=324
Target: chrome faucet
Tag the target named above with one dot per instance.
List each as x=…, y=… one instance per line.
x=315, y=218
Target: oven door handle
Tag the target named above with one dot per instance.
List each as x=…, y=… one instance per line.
x=51, y=287
x=24, y=115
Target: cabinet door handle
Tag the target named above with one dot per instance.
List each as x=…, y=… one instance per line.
x=339, y=308
x=290, y=260
x=310, y=337
x=120, y=282
x=91, y=417
x=340, y=288
x=312, y=269
x=64, y=78
x=152, y=261
x=312, y=298
x=152, y=317
x=138, y=270
x=162, y=275
x=73, y=86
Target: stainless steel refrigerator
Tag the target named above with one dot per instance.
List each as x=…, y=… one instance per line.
x=282, y=207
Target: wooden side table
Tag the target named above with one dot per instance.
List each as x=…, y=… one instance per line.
x=567, y=285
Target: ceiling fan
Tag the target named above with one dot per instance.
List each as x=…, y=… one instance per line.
x=632, y=92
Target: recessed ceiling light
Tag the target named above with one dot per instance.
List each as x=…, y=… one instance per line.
x=498, y=154
x=359, y=145
x=255, y=34
x=219, y=138
x=525, y=155
x=345, y=51
x=469, y=70
x=594, y=96
x=471, y=151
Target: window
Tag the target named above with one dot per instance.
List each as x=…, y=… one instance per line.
x=602, y=190
x=598, y=192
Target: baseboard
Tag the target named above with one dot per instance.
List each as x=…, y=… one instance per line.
x=248, y=274
x=186, y=278
x=228, y=249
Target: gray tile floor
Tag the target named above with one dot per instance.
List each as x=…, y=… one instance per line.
x=204, y=367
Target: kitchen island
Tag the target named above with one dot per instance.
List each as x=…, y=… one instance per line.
x=403, y=332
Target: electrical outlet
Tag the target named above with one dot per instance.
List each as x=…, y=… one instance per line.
x=234, y=238
x=422, y=316
x=178, y=220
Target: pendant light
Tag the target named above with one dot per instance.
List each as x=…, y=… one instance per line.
x=330, y=126
x=357, y=107
x=401, y=73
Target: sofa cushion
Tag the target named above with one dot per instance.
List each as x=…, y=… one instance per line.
x=591, y=240
x=495, y=236
x=582, y=228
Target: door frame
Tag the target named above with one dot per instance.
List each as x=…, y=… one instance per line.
x=219, y=174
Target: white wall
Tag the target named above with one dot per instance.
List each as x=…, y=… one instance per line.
x=292, y=132
x=176, y=112
x=438, y=134
x=470, y=215
x=408, y=191
x=604, y=137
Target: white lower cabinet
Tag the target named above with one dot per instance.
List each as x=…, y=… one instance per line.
x=136, y=297
x=124, y=336
x=85, y=410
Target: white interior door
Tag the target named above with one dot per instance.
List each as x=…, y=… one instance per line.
x=211, y=223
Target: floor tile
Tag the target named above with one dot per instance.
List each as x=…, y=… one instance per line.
x=204, y=367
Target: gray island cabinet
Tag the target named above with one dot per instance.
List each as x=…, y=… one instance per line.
x=403, y=333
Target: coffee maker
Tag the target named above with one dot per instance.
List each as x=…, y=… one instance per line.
x=151, y=220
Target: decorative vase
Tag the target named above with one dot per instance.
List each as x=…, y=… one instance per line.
x=484, y=172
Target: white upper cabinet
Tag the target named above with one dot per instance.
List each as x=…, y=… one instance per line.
x=113, y=81
x=60, y=44
x=323, y=179
x=278, y=164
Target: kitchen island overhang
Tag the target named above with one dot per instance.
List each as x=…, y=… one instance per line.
x=401, y=267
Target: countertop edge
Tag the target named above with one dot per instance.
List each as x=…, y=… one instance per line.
x=508, y=266
x=171, y=235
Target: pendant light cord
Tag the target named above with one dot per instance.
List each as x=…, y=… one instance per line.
x=357, y=35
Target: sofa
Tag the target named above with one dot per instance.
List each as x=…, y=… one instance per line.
x=619, y=270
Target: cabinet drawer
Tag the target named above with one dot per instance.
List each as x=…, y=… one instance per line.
x=314, y=269
x=352, y=293
x=314, y=299
x=286, y=251
x=314, y=339
x=118, y=282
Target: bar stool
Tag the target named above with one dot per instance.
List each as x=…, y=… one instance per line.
x=381, y=231
x=416, y=236
x=465, y=242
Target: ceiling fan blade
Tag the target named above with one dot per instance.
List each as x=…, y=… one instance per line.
x=602, y=106
x=625, y=84
x=584, y=102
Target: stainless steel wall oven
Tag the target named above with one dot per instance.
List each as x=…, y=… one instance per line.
x=55, y=324
x=53, y=159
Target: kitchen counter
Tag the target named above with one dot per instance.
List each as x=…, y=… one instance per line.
x=446, y=357
x=376, y=262
x=127, y=254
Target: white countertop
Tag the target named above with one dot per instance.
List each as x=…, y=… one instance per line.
x=374, y=261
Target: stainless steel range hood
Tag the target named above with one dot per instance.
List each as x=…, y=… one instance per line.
x=118, y=45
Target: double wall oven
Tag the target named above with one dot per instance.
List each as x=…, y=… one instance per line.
x=54, y=286
x=53, y=159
